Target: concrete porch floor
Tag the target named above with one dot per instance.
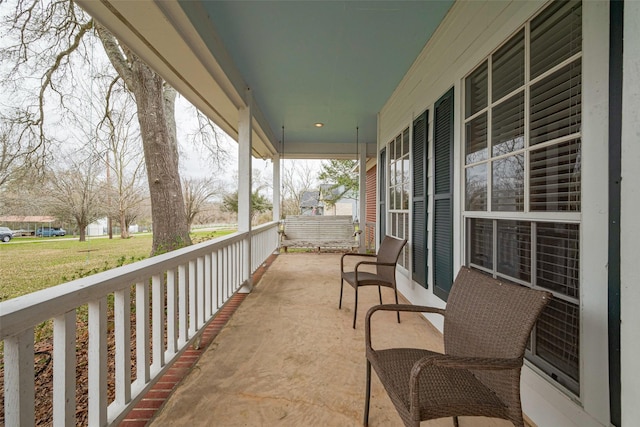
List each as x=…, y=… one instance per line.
x=289, y=357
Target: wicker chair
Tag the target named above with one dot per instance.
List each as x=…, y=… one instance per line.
x=486, y=327
x=385, y=274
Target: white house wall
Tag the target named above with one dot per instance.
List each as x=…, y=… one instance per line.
x=630, y=234
x=469, y=33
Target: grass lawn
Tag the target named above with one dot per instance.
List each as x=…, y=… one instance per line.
x=30, y=264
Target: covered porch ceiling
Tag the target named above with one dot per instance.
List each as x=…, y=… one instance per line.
x=305, y=62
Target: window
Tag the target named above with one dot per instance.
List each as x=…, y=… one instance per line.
x=399, y=181
x=522, y=156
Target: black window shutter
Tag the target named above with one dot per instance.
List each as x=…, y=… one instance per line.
x=443, y=196
x=382, y=170
x=419, y=209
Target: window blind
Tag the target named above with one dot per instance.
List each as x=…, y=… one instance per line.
x=476, y=90
x=556, y=104
x=554, y=183
x=556, y=35
x=507, y=67
x=558, y=265
x=514, y=249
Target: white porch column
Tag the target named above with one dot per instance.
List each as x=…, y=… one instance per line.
x=276, y=187
x=244, y=186
x=362, y=215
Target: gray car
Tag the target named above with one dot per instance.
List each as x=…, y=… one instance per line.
x=5, y=234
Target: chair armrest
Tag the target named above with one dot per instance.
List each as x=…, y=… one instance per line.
x=455, y=362
x=463, y=362
x=352, y=254
x=390, y=264
x=394, y=307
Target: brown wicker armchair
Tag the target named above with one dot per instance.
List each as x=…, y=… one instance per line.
x=486, y=327
x=385, y=274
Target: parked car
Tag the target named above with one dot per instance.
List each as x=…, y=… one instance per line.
x=50, y=232
x=5, y=234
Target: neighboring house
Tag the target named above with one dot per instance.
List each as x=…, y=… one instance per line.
x=313, y=203
x=97, y=228
x=345, y=204
x=310, y=203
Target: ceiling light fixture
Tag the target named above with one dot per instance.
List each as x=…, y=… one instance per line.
x=318, y=125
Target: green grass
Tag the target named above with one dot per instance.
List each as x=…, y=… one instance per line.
x=29, y=265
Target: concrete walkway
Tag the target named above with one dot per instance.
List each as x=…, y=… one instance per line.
x=289, y=357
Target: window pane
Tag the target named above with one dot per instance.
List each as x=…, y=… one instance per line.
x=476, y=90
x=476, y=144
x=558, y=255
x=555, y=177
x=514, y=249
x=507, y=191
x=556, y=34
x=507, y=126
x=476, y=188
x=398, y=152
x=556, y=105
x=481, y=242
x=558, y=339
x=507, y=68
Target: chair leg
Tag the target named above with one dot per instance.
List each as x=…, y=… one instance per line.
x=455, y=422
x=355, y=309
x=397, y=312
x=367, y=398
x=341, y=286
x=380, y=294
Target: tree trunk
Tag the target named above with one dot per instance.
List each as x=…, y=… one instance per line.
x=124, y=227
x=167, y=205
x=82, y=231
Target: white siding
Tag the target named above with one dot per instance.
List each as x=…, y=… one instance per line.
x=468, y=34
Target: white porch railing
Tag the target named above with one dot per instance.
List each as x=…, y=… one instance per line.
x=196, y=280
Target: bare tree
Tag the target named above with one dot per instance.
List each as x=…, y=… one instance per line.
x=297, y=177
x=198, y=193
x=123, y=159
x=77, y=192
x=53, y=40
x=12, y=155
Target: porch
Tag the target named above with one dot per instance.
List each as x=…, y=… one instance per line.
x=288, y=356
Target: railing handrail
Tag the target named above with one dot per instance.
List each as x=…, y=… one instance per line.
x=23, y=312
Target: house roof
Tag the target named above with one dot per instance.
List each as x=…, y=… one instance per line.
x=310, y=199
x=335, y=62
x=17, y=218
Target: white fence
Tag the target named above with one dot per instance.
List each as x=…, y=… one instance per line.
x=176, y=295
